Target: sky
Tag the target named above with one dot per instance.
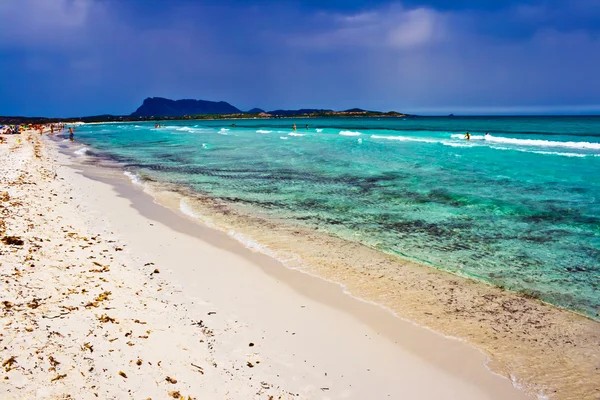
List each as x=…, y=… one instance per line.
x=61, y=58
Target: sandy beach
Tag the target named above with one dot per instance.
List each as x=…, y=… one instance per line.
x=99, y=302
x=107, y=294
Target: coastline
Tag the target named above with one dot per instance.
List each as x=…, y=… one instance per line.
x=109, y=303
x=295, y=316
x=547, y=351
x=357, y=333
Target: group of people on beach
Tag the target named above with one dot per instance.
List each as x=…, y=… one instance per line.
x=41, y=128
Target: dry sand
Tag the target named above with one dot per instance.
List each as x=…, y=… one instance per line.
x=106, y=294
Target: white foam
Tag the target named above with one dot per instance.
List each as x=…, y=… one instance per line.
x=135, y=178
x=223, y=131
x=319, y=130
x=253, y=245
x=204, y=146
x=350, y=133
x=359, y=140
x=405, y=139
x=295, y=134
x=283, y=137
x=532, y=142
x=454, y=144
x=263, y=131
x=555, y=153
x=81, y=152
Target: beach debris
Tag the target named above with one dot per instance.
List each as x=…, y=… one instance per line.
x=7, y=364
x=251, y=344
x=33, y=304
x=172, y=381
x=53, y=362
x=105, y=319
x=175, y=394
x=13, y=240
x=249, y=364
x=103, y=296
x=123, y=374
x=212, y=312
x=87, y=346
x=200, y=369
x=138, y=362
x=58, y=377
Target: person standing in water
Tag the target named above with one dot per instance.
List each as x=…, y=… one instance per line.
x=294, y=126
x=306, y=126
x=71, y=136
x=468, y=136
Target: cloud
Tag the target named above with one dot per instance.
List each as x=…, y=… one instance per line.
x=392, y=27
x=43, y=23
x=96, y=56
x=415, y=28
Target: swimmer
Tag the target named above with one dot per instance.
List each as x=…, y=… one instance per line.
x=306, y=126
x=233, y=125
x=71, y=137
x=294, y=126
x=487, y=135
x=468, y=136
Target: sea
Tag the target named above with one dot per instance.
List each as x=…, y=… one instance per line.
x=517, y=205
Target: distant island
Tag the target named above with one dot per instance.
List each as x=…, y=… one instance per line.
x=159, y=108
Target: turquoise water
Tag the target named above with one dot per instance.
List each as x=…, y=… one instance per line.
x=520, y=208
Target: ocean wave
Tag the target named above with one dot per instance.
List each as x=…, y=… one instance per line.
x=350, y=133
x=532, y=142
x=554, y=153
x=81, y=152
x=193, y=129
x=223, y=131
x=204, y=145
x=295, y=134
x=253, y=245
x=405, y=139
x=135, y=178
x=283, y=137
x=319, y=130
x=263, y=131
x=454, y=144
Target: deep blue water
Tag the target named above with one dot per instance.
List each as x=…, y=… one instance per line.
x=519, y=208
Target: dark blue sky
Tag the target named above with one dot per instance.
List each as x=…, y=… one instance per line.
x=85, y=57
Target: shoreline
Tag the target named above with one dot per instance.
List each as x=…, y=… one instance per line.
x=412, y=356
x=506, y=326
x=245, y=297
x=425, y=344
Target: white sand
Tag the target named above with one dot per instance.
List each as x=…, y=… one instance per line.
x=208, y=301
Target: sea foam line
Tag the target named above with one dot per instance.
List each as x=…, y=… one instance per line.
x=350, y=133
x=81, y=152
x=533, y=142
x=135, y=178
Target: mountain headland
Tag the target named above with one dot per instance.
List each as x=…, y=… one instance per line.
x=159, y=108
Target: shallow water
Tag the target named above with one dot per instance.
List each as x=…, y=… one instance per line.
x=518, y=208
